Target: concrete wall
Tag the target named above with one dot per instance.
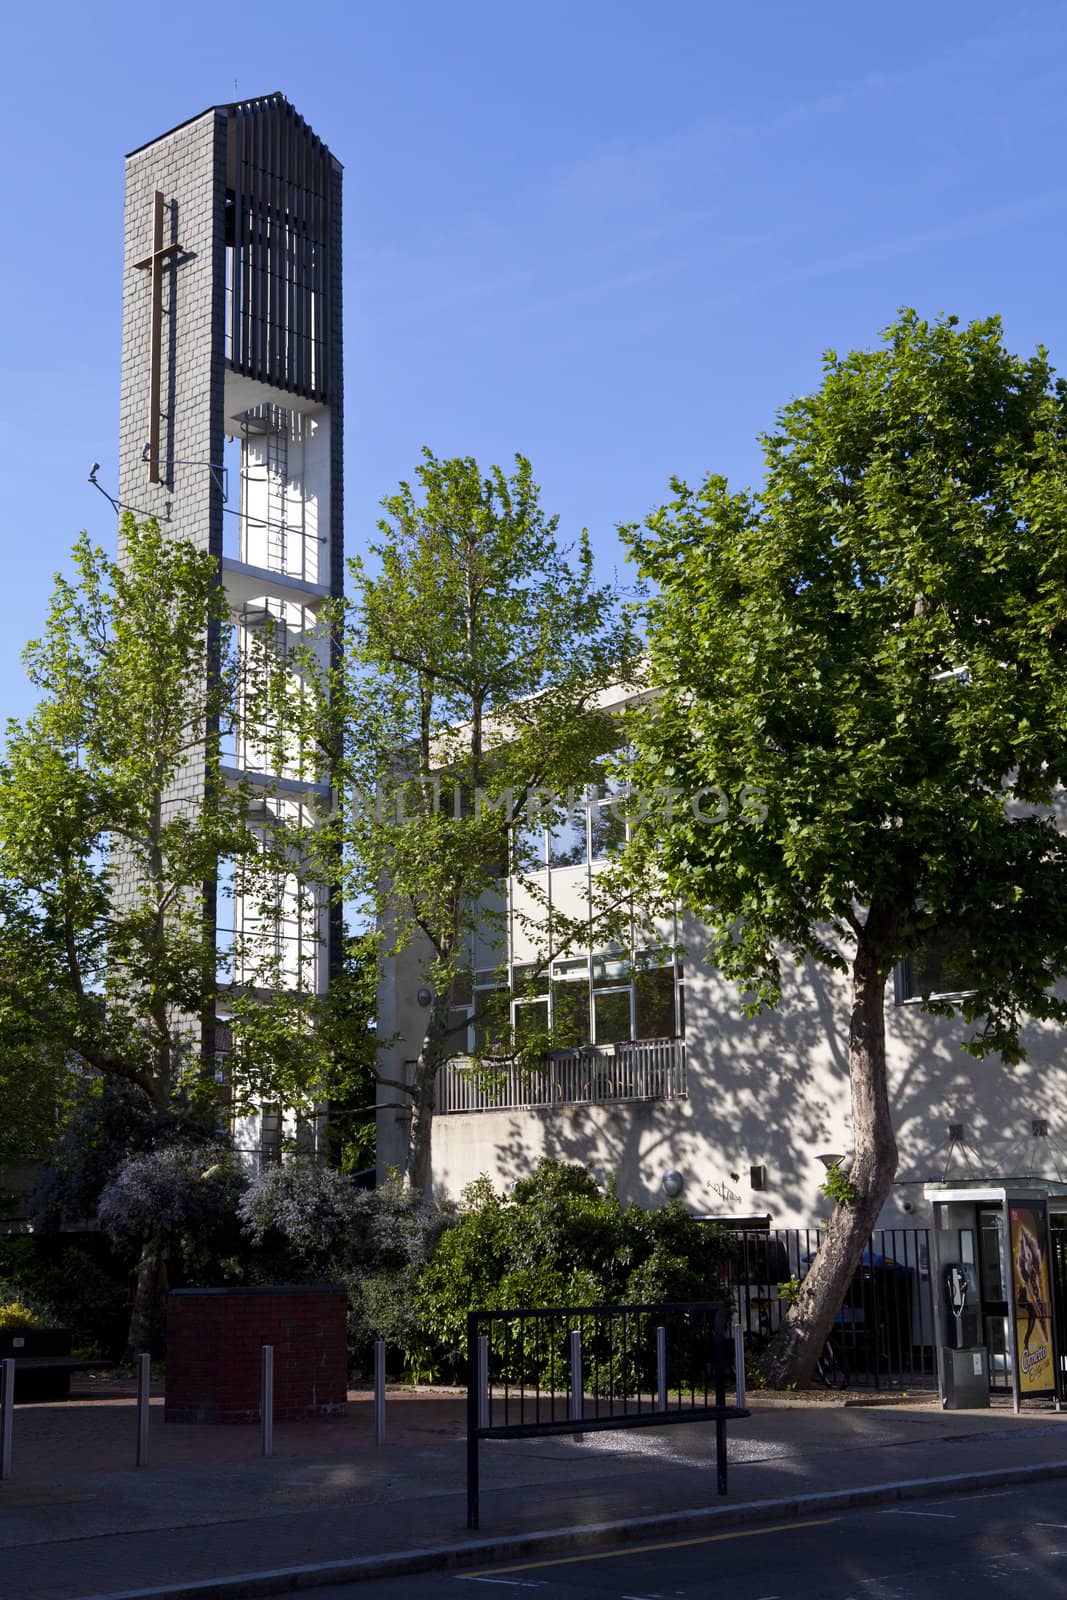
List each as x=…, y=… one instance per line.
x=769, y=1092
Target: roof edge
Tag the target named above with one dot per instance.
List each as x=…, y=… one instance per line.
x=227, y=107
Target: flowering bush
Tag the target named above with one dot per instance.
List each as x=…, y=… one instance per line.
x=375, y=1241
x=177, y=1189
x=306, y=1210
x=21, y=1311
x=17, y=1317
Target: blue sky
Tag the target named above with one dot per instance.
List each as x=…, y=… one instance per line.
x=613, y=235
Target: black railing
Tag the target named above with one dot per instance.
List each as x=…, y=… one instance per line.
x=884, y=1334
x=572, y=1369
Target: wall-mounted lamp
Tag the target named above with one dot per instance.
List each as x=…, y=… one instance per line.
x=843, y=1163
x=425, y=997
x=672, y=1184
x=757, y=1177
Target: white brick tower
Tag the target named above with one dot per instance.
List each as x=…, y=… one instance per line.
x=231, y=412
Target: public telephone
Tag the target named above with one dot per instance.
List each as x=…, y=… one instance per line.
x=960, y=1284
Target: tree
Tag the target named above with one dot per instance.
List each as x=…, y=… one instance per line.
x=177, y=1194
x=866, y=658
x=476, y=655
x=114, y=816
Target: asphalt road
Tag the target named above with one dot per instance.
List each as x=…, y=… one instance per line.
x=1001, y=1543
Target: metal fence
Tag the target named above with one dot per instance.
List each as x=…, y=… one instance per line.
x=641, y=1069
x=884, y=1334
x=571, y=1369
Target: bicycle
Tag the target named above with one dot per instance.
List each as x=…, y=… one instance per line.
x=829, y=1369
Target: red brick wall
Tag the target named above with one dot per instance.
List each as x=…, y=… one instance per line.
x=214, y=1340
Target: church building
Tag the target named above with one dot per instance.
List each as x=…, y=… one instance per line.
x=231, y=432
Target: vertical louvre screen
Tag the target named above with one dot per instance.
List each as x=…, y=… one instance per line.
x=278, y=282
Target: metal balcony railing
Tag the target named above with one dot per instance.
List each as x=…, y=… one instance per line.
x=642, y=1069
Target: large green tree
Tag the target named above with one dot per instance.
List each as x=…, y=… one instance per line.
x=875, y=641
x=477, y=653
x=114, y=816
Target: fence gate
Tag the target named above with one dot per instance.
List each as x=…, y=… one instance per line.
x=884, y=1333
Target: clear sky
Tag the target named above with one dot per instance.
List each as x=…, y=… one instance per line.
x=612, y=234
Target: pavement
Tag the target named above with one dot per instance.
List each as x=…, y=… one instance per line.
x=209, y=1517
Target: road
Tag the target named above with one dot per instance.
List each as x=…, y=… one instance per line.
x=996, y=1545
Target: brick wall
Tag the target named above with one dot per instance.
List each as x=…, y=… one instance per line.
x=214, y=1340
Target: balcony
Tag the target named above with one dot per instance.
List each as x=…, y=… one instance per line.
x=597, y=1075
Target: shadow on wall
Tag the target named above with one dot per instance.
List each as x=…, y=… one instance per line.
x=773, y=1092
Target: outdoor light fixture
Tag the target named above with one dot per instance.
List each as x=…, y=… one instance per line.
x=672, y=1184
x=842, y=1163
x=425, y=997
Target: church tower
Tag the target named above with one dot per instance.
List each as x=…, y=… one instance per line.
x=231, y=424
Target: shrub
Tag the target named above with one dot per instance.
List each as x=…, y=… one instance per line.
x=20, y=1310
x=111, y=1121
x=303, y=1214
x=189, y=1189
x=83, y=1287
x=559, y=1239
x=310, y=1222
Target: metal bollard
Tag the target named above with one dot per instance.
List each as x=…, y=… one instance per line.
x=483, y=1381
x=739, y=1363
x=266, y=1399
x=577, y=1399
x=661, y=1369
x=7, y=1414
x=379, y=1391
x=144, y=1383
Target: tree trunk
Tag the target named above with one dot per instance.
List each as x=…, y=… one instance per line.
x=148, y=1317
x=423, y=1101
x=792, y=1355
x=424, y=1097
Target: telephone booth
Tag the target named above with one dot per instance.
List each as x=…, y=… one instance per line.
x=996, y=1289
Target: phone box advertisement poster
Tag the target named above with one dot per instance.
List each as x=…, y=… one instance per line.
x=1033, y=1300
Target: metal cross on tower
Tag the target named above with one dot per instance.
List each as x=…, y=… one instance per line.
x=154, y=261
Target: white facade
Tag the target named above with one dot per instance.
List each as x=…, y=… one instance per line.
x=679, y=1081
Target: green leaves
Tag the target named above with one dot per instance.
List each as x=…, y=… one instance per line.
x=876, y=640
x=114, y=814
x=477, y=648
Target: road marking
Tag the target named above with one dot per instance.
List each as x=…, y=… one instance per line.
x=668, y=1544
x=899, y=1511
x=1050, y=1524
x=512, y=1583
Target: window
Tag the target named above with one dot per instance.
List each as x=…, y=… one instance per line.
x=489, y=1011
x=607, y=831
x=939, y=967
x=570, y=1001
x=528, y=849
x=654, y=985
x=612, y=1008
x=611, y=1016
x=531, y=1020
x=566, y=841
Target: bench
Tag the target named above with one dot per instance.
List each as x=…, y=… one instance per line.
x=39, y=1378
